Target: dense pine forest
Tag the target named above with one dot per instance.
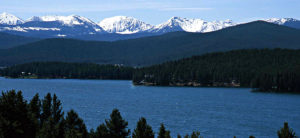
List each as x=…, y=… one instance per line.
x=265, y=70
x=44, y=118
x=276, y=70
x=68, y=70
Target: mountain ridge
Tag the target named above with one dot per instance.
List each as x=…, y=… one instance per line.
x=124, y=25
x=155, y=49
x=9, y=19
x=79, y=27
x=10, y=40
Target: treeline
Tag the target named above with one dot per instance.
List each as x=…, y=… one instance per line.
x=276, y=70
x=44, y=118
x=68, y=70
x=264, y=70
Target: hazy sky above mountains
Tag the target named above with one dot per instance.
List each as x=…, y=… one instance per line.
x=156, y=11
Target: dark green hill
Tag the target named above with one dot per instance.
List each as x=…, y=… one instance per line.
x=264, y=69
x=156, y=49
x=68, y=71
x=10, y=40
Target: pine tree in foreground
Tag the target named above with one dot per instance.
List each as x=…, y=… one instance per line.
x=286, y=132
x=44, y=119
x=143, y=130
x=101, y=132
x=34, y=107
x=74, y=126
x=52, y=119
x=163, y=133
x=117, y=126
x=15, y=119
x=195, y=134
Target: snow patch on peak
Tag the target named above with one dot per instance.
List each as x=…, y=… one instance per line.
x=61, y=35
x=281, y=21
x=191, y=25
x=124, y=25
x=9, y=19
x=66, y=20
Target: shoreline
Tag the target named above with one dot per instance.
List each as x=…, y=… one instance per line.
x=187, y=85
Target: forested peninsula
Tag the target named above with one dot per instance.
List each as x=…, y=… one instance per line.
x=276, y=70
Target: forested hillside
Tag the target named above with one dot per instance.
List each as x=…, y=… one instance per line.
x=10, y=40
x=156, y=49
x=68, y=70
x=264, y=70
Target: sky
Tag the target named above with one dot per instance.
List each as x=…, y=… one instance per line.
x=156, y=11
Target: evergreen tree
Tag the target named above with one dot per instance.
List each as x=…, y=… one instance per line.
x=168, y=134
x=46, y=108
x=15, y=119
x=35, y=106
x=52, y=121
x=74, y=126
x=117, y=126
x=163, y=133
x=195, y=134
x=286, y=132
x=92, y=134
x=143, y=130
x=57, y=112
x=101, y=132
x=35, y=110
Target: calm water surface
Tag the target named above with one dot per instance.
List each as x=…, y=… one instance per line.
x=215, y=112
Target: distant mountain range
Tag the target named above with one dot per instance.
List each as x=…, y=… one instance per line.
x=111, y=29
x=155, y=49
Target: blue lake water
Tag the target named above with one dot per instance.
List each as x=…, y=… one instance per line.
x=215, y=112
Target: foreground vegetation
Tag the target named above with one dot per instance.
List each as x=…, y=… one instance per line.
x=45, y=118
x=275, y=70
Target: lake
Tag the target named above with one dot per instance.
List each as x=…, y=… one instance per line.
x=215, y=112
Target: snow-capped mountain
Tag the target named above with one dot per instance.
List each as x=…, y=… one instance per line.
x=9, y=19
x=55, y=26
x=67, y=24
x=110, y=29
x=65, y=20
x=124, y=25
x=280, y=21
x=191, y=25
x=290, y=22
